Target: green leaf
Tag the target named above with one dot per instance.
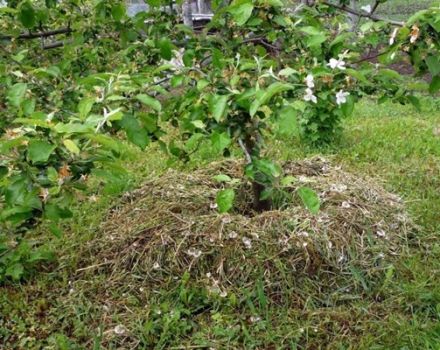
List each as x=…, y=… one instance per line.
x=435, y=85
x=135, y=133
x=222, y=178
x=154, y=3
x=3, y=171
x=26, y=15
x=55, y=230
x=310, y=199
x=357, y=75
x=39, y=151
x=286, y=72
x=201, y=84
x=288, y=122
x=28, y=106
x=193, y=142
x=241, y=12
x=55, y=212
x=217, y=106
x=198, y=124
x=177, y=80
x=149, y=101
x=433, y=64
x=389, y=73
x=84, y=107
x=415, y=102
x=71, y=146
x=316, y=40
x=265, y=95
x=72, y=128
x=50, y=3
x=118, y=12
x=188, y=58
x=166, y=48
x=15, y=271
x=16, y=94
x=348, y=107
x=220, y=141
x=288, y=180
x=225, y=200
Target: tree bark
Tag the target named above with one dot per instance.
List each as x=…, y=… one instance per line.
x=251, y=150
x=49, y=33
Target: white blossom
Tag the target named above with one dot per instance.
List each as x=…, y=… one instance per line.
x=156, y=266
x=309, y=96
x=381, y=233
x=341, y=97
x=194, y=252
x=393, y=36
x=119, y=329
x=334, y=63
x=255, y=319
x=345, y=205
x=226, y=219
x=366, y=8
x=247, y=242
x=303, y=234
x=177, y=60
x=310, y=82
x=233, y=235
x=338, y=188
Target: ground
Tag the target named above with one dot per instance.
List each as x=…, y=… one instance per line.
x=396, y=145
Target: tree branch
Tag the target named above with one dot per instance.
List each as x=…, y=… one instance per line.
x=38, y=34
x=245, y=151
x=368, y=58
x=364, y=14
x=53, y=45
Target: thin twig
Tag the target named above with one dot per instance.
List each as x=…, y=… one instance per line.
x=245, y=151
x=93, y=266
x=364, y=14
x=371, y=57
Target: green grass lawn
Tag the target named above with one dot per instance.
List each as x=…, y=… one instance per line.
x=394, y=144
x=400, y=9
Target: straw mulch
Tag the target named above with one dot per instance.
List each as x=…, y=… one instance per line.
x=170, y=226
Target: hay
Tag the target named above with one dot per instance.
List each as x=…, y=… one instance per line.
x=169, y=226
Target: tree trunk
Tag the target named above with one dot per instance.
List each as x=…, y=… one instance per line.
x=259, y=204
x=252, y=150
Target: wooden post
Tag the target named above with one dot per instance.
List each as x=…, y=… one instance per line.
x=187, y=13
